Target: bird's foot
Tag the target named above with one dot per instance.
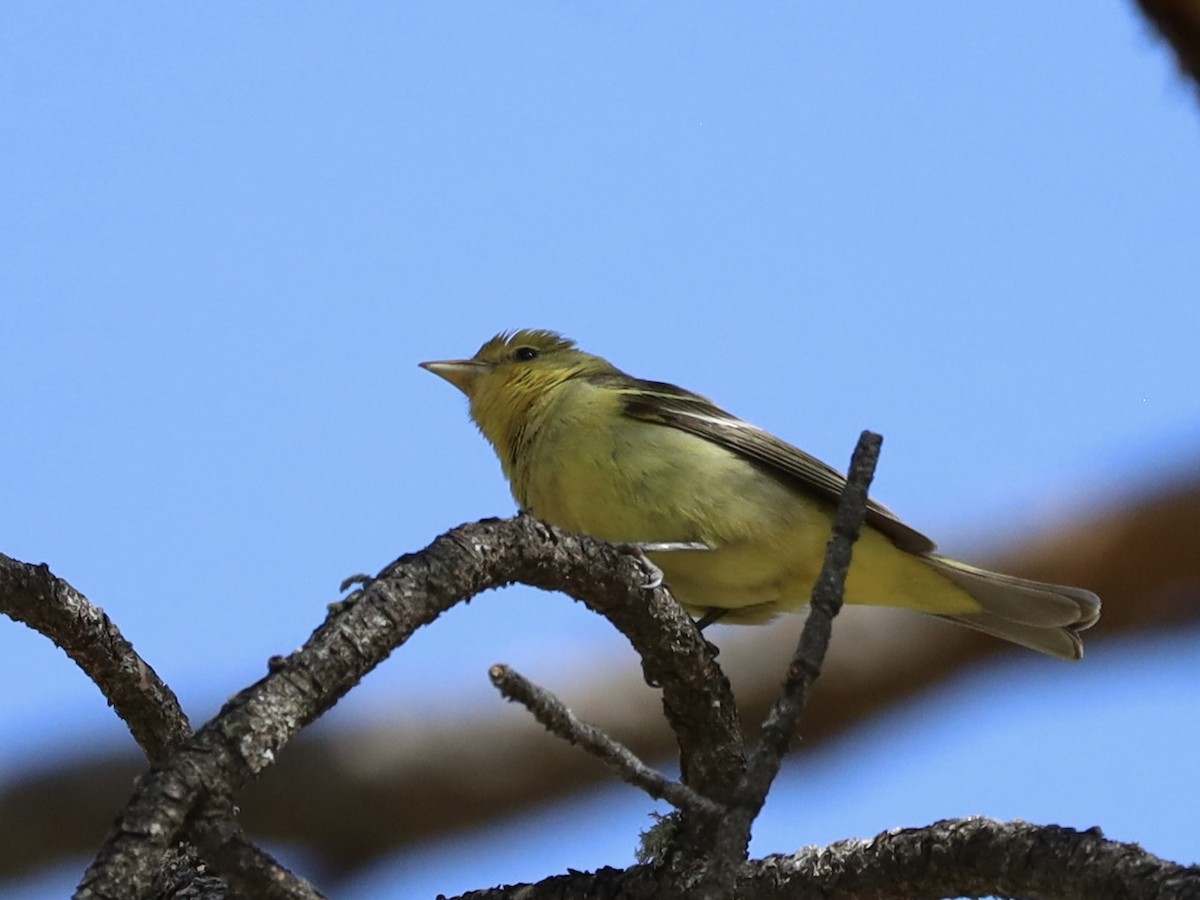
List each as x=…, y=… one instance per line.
x=641, y=548
x=654, y=574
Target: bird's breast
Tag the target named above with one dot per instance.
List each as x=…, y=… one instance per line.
x=630, y=480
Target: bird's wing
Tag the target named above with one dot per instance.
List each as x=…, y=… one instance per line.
x=666, y=404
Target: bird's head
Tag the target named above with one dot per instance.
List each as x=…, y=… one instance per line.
x=511, y=374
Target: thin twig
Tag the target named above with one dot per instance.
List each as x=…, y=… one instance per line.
x=554, y=715
x=780, y=723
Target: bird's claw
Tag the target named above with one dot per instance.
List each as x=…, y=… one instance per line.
x=655, y=574
x=641, y=548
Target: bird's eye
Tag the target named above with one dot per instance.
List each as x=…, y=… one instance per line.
x=525, y=354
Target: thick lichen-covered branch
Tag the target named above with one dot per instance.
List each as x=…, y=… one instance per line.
x=973, y=857
x=49, y=605
x=246, y=737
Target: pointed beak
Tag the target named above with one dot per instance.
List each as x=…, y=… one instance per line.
x=461, y=373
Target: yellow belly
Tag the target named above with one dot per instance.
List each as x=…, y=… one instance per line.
x=759, y=581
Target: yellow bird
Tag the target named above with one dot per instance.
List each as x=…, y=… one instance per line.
x=599, y=452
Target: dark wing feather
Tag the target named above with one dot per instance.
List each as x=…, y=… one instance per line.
x=666, y=404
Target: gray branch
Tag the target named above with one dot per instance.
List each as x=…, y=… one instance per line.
x=52, y=607
x=554, y=715
x=973, y=857
x=245, y=738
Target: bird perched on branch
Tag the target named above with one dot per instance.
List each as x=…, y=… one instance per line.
x=598, y=452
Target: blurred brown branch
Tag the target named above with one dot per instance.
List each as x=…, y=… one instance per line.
x=1178, y=22
x=351, y=797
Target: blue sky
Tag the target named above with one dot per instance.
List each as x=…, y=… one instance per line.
x=228, y=233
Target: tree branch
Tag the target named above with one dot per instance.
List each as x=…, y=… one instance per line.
x=34, y=596
x=779, y=728
x=732, y=839
x=554, y=715
x=1178, y=22
x=1135, y=554
x=254, y=726
x=972, y=857
x=399, y=601
x=52, y=607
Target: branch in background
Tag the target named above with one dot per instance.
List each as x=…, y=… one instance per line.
x=1138, y=556
x=1178, y=22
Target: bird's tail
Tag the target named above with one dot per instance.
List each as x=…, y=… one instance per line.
x=1042, y=617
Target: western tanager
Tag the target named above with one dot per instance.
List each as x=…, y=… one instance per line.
x=598, y=452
